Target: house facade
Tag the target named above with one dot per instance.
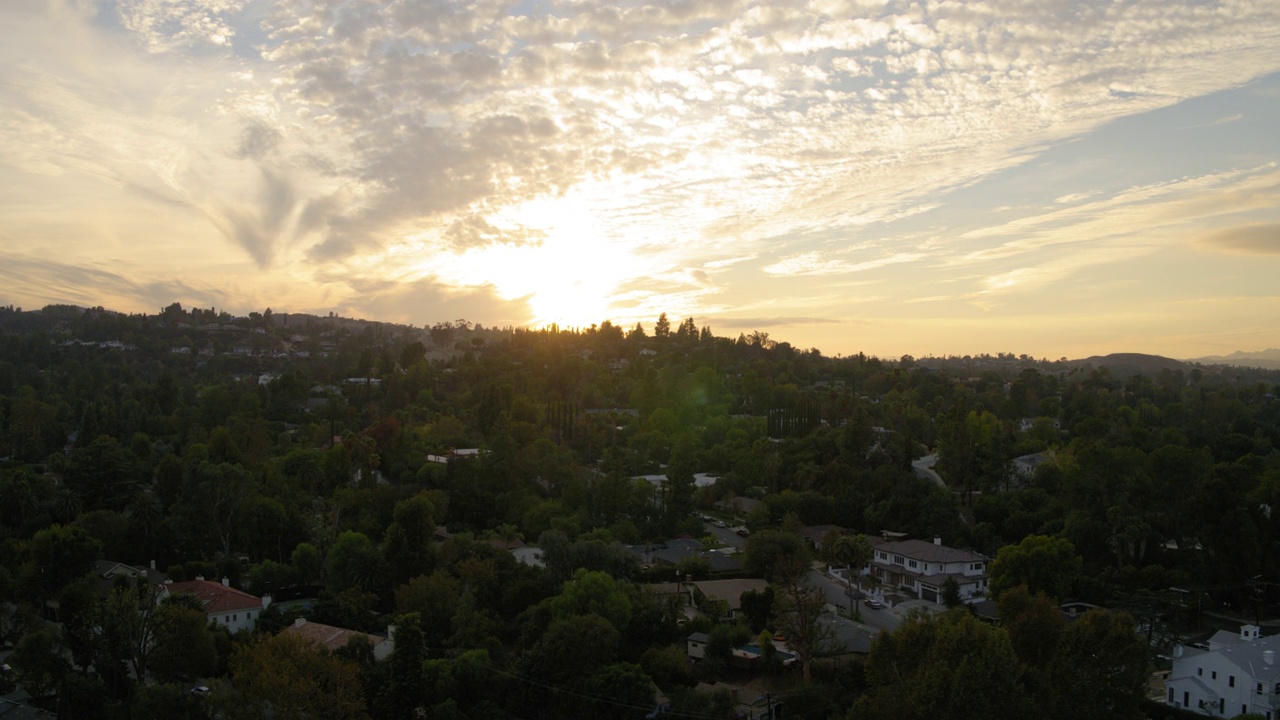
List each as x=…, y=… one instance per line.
x=223, y=605
x=923, y=568
x=1238, y=674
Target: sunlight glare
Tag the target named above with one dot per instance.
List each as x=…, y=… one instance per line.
x=567, y=278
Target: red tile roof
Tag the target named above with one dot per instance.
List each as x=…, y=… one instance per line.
x=216, y=597
x=333, y=638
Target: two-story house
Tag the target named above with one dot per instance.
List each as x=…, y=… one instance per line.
x=224, y=605
x=1236, y=675
x=923, y=568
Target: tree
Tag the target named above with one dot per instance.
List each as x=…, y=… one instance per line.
x=354, y=561
x=776, y=554
x=619, y=690
x=951, y=593
x=662, y=328
x=1044, y=564
x=945, y=667
x=128, y=625
x=403, y=695
x=1101, y=651
x=851, y=551
x=408, y=544
x=286, y=677
x=184, y=646
x=592, y=592
x=799, y=607
x=38, y=661
x=1034, y=625
x=435, y=598
x=57, y=555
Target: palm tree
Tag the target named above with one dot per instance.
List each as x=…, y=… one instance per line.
x=852, y=551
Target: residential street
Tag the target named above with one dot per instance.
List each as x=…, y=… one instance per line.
x=834, y=590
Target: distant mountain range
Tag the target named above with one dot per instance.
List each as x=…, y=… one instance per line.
x=1269, y=359
x=1128, y=363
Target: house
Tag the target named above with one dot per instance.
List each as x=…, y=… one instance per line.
x=923, y=568
x=814, y=534
x=739, y=506
x=1237, y=675
x=696, y=645
x=110, y=574
x=728, y=592
x=1024, y=466
x=224, y=605
x=335, y=638
x=674, y=552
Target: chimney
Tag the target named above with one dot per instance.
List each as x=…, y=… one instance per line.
x=226, y=581
x=1250, y=632
x=299, y=622
x=1269, y=657
x=937, y=540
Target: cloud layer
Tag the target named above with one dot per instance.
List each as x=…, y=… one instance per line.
x=583, y=161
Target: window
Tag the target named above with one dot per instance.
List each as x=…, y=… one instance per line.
x=912, y=564
x=1259, y=687
x=1186, y=699
x=1170, y=701
x=1222, y=706
x=899, y=559
x=1200, y=671
x=1214, y=674
x=1231, y=681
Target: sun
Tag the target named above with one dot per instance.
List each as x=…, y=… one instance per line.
x=570, y=270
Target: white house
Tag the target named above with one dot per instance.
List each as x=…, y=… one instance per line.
x=223, y=605
x=1237, y=675
x=923, y=568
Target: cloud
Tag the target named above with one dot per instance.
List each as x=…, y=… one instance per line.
x=1256, y=239
x=772, y=322
x=258, y=227
x=52, y=282
x=553, y=146
x=814, y=263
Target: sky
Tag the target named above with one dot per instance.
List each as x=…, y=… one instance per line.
x=1056, y=178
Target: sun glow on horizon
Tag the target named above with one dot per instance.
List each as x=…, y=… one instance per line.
x=568, y=268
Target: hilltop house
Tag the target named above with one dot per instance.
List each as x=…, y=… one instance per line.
x=1238, y=674
x=922, y=568
x=223, y=605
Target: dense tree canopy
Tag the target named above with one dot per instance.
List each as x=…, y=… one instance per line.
x=392, y=474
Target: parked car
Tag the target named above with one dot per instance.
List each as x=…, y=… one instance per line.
x=721, y=524
x=743, y=531
x=873, y=603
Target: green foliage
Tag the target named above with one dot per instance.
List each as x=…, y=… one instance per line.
x=1161, y=479
x=38, y=661
x=951, y=666
x=1043, y=564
